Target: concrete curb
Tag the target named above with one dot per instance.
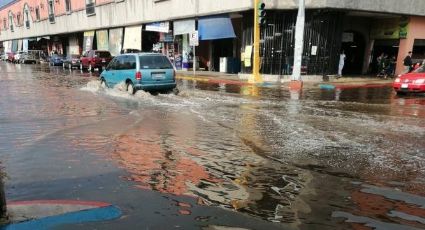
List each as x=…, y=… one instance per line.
x=46, y=214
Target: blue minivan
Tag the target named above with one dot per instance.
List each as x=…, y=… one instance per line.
x=140, y=71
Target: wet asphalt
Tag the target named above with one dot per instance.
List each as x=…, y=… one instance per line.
x=216, y=154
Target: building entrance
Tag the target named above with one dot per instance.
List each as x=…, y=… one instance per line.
x=354, y=48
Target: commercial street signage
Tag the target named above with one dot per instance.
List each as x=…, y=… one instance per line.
x=162, y=27
x=194, y=38
x=391, y=28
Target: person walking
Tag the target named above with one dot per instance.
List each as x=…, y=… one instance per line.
x=407, y=62
x=342, y=58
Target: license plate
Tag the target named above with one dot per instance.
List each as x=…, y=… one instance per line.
x=404, y=85
x=103, y=60
x=158, y=76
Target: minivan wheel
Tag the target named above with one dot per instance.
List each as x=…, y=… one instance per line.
x=176, y=91
x=103, y=83
x=130, y=88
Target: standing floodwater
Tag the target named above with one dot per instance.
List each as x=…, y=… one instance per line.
x=215, y=154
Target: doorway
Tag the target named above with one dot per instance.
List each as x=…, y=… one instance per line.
x=353, y=45
x=385, y=46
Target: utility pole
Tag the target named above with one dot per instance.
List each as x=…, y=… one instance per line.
x=256, y=77
x=296, y=82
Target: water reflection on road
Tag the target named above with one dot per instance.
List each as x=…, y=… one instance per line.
x=331, y=157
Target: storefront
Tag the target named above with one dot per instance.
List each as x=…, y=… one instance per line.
x=182, y=29
x=322, y=42
x=216, y=40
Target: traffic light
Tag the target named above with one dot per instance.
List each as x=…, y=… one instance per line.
x=262, y=14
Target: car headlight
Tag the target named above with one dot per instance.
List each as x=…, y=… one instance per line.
x=397, y=80
x=420, y=81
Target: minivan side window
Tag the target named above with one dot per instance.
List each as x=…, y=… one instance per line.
x=126, y=62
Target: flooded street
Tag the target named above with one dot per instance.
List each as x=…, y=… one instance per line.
x=215, y=154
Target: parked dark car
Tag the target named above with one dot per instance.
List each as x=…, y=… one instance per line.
x=55, y=59
x=72, y=61
x=95, y=59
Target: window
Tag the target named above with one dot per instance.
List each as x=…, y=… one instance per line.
x=37, y=13
x=27, y=18
x=154, y=62
x=11, y=22
x=126, y=62
x=51, y=6
x=90, y=7
x=4, y=24
x=18, y=19
x=112, y=64
x=68, y=6
x=103, y=54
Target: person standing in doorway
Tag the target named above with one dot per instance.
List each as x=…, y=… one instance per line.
x=408, y=62
x=342, y=58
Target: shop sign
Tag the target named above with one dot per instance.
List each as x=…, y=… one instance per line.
x=166, y=37
x=162, y=27
x=194, y=38
x=404, y=22
x=390, y=28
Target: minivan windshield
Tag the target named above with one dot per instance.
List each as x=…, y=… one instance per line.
x=154, y=62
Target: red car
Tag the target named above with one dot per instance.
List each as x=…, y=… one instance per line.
x=11, y=57
x=411, y=82
x=95, y=59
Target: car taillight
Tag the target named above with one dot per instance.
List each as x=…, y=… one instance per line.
x=138, y=76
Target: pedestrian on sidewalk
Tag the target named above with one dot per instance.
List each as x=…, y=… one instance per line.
x=407, y=62
x=342, y=58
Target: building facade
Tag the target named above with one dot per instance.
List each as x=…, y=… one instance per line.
x=364, y=29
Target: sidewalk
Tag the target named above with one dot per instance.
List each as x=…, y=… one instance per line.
x=309, y=80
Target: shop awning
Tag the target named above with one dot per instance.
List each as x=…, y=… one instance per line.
x=115, y=41
x=133, y=38
x=215, y=27
x=102, y=39
x=184, y=27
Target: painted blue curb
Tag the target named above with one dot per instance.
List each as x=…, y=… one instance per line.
x=91, y=215
x=327, y=86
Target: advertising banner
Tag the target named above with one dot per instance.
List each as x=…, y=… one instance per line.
x=102, y=40
x=115, y=41
x=133, y=38
x=88, y=40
